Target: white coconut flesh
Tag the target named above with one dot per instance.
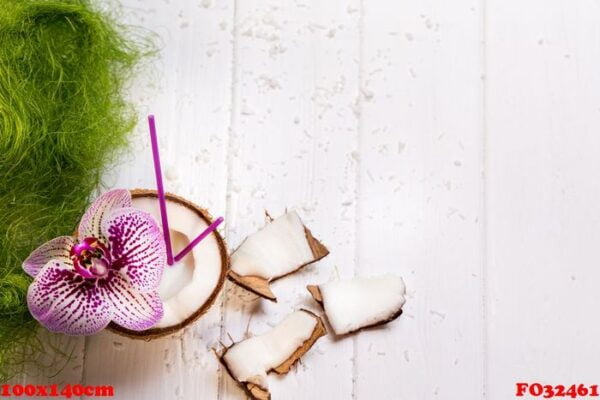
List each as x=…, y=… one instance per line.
x=250, y=360
x=362, y=302
x=278, y=249
x=188, y=284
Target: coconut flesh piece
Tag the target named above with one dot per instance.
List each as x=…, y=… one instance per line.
x=188, y=287
x=282, y=247
x=249, y=361
x=354, y=304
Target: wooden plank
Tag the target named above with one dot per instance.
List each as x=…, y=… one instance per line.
x=292, y=140
x=543, y=145
x=190, y=98
x=420, y=192
x=66, y=368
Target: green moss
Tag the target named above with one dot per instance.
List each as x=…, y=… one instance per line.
x=63, y=119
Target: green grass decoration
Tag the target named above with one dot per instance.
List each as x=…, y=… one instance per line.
x=63, y=119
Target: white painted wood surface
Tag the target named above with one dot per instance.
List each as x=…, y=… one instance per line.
x=455, y=143
x=543, y=116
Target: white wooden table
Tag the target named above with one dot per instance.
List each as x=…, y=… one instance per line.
x=456, y=143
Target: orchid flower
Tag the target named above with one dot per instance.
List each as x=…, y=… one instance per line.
x=109, y=272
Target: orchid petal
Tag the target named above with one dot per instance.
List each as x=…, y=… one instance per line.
x=91, y=222
x=137, y=247
x=130, y=308
x=55, y=249
x=63, y=301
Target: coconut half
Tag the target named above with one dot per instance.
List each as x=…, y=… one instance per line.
x=280, y=248
x=248, y=362
x=189, y=287
x=351, y=305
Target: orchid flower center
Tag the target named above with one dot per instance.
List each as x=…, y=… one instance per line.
x=91, y=258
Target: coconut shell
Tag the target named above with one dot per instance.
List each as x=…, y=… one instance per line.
x=318, y=249
x=315, y=292
x=261, y=286
x=318, y=332
x=155, y=333
x=255, y=284
x=257, y=392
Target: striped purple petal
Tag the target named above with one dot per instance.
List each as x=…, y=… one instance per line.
x=56, y=249
x=91, y=222
x=137, y=247
x=130, y=308
x=64, y=302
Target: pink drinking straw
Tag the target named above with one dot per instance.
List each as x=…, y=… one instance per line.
x=201, y=236
x=161, y=190
x=163, y=204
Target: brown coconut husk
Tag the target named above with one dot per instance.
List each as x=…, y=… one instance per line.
x=155, y=333
x=315, y=292
x=256, y=392
x=261, y=286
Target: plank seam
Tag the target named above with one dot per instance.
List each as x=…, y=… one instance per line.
x=484, y=161
x=82, y=378
x=229, y=157
x=357, y=191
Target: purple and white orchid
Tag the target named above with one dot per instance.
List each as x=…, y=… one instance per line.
x=109, y=272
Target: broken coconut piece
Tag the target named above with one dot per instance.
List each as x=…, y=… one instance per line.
x=189, y=287
x=249, y=361
x=282, y=247
x=351, y=305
